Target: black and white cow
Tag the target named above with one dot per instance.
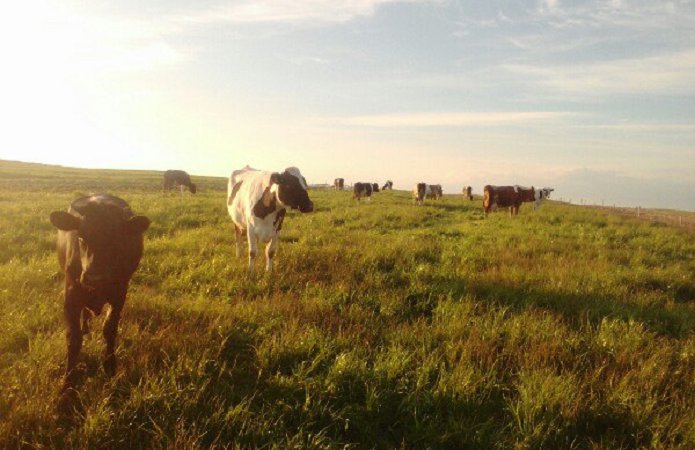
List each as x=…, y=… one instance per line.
x=339, y=184
x=360, y=190
x=387, y=185
x=257, y=201
x=540, y=195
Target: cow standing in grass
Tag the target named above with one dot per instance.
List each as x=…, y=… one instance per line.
x=362, y=190
x=257, y=201
x=387, y=185
x=180, y=179
x=339, y=184
x=100, y=243
x=541, y=194
x=420, y=192
x=435, y=191
x=502, y=197
x=468, y=192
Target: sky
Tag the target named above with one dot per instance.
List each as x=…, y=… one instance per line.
x=593, y=98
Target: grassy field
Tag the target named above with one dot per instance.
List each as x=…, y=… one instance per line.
x=385, y=325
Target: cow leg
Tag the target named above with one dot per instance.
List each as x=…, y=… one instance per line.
x=239, y=233
x=181, y=189
x=270, y=250
x=253, y=247
x=110, y=332
x=72, y=310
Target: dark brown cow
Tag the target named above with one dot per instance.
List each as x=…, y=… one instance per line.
x=527, y=194
x=360, y=190
x=434, y=191
x=178, y=178
x=503, y=197
x=468, y=192
x=339, y=184
x=100, y=243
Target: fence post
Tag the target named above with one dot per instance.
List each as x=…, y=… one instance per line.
x=680, y=221
x=638, y=211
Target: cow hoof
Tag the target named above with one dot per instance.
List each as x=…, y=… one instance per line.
x=69, y=403
x=110, y=366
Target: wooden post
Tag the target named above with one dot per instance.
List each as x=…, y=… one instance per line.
x=638, y=211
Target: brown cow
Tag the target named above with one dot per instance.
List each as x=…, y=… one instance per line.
x=174, y=178
x=339, y=184
x=100, y=243
x=505, y=197
x=468, y=192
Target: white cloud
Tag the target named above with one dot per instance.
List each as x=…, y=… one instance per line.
x=664, y=74
x=292, y=12
x=415, y=120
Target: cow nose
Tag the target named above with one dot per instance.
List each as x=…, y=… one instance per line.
x=309, y=207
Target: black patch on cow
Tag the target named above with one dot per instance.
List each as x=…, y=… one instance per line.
x=260, y=210
x=279, y=218
x=291, y=193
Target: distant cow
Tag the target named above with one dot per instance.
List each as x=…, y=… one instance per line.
x=339, y=184
x=257, y=201
x=387, y=185
x=504, y=197
x=360, y=190
x=420, y=192
x=100, y=243
x=468, y=192
x=434, y=191
x=375, y=187
x=541, y=194
x=180, y=179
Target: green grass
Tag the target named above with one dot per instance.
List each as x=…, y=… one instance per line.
x=385, y=325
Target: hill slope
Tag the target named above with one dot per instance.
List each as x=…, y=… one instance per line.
x=385, y=325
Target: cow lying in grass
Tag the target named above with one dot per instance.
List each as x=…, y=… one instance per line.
x=257, y=200
x=100, y=243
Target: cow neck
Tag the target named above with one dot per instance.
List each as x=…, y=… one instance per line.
x=267, y=204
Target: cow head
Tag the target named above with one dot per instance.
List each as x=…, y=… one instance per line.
x=193, y=188
x=292, y=190
x=375, y=187
x=107, y=242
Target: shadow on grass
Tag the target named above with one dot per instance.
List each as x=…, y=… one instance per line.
x=576, y=308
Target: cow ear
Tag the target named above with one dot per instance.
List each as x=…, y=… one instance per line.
x=65, y=221
x=136, y=224
x=275, y=178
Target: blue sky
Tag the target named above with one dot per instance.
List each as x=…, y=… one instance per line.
x=595, y=98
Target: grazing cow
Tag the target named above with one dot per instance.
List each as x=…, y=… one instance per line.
x=420, y=192
x=339, y=184
x=375, y=187
x=468, y=192
x=257, y=201
x=387, y=185
x=360, y=190
x=503, y=196
x=100, y=243
x=435, y=191
x=173, y=178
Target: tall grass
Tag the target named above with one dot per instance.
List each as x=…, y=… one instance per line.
x=385, y=325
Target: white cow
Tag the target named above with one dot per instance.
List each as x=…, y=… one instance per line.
x=257, y=200
x=540, y=195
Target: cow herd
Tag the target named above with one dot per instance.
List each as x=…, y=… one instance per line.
x=100, y=240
